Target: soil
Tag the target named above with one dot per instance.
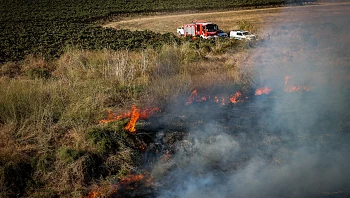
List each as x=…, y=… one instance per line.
x=227, y=20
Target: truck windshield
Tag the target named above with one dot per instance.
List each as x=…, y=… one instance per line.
x=211, y=28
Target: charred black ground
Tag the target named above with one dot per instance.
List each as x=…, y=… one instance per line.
x=204, y=149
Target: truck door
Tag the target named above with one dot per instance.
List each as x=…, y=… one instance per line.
x=239, y=35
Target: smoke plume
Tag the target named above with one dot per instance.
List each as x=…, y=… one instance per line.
x=285, y=144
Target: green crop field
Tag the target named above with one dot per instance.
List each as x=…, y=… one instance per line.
x=46, y=27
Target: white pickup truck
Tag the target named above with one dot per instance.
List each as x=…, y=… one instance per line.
x=241, y=34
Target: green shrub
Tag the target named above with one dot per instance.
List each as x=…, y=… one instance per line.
x=68, y=154
x=115, y=146
x=38, y=73
x=45, y=162
x=191, y=51
x=36, y=67
x=108, y=139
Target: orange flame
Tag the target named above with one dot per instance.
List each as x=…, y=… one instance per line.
x=113, y=117
x=131, y=178
x=127, y=182
x=134, y=116
x=264, y=90
x=216, y=99
x=192, y=97
x=235, y=97
x=292, y=88
x=93, y=194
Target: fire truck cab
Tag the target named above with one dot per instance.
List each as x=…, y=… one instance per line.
x=202, y=29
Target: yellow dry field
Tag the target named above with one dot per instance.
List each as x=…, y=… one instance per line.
x=311, y=40
x=260, y=18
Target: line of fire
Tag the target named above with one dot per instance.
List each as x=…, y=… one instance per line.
x=136, y=114
x=144, y=180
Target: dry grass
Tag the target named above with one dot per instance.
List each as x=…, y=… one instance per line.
x=262, y=19
x=45, y=119
x=49, y=123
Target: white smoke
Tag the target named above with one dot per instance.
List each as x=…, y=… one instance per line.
x=287, y=145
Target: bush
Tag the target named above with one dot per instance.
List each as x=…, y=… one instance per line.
x=68, y=155
x=116, y=147
x=108, y=139
x=45, y=162
x=10, y=69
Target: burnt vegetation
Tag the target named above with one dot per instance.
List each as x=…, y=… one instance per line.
x=211, y=134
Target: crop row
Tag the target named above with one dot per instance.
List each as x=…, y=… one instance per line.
x=46, y=27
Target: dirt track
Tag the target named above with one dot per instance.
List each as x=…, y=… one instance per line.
x=260, y=18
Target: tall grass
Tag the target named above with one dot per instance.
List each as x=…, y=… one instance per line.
x=49, y=110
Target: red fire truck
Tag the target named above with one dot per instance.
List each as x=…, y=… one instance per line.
x=199, y=29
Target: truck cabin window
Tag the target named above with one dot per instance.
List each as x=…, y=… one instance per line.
x=211, y=28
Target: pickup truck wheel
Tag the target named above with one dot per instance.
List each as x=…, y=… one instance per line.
x=179, y=33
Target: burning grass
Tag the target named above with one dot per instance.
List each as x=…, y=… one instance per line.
x=52, y=118
x=59, y=140
x=134, y=116
x=128, y=186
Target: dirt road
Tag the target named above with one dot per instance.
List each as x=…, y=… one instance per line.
x=260, y=18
